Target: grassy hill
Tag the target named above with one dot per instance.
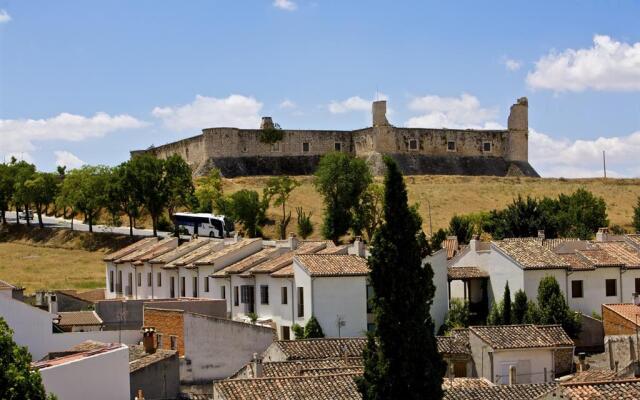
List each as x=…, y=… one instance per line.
x=449, y=195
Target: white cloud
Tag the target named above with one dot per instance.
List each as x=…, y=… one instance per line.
x=287, y=104
x=21, y=135
x=512, y=65
x=67, y=159
x=608, y=65
x=287, y=5
x=355, y=103
x=4, y=16
x=451, y=112
x=204, y=112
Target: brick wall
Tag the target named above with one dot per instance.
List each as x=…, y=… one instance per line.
x=615, y=324
x=167, y=323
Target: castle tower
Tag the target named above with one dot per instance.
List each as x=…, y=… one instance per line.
x=379, y=113
x=518, y=125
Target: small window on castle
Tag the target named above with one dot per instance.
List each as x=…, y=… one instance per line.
x=413, y=144
x=337, y=146
x=305, y=147
x=244, y=149
x=486, y=147
x=451, y=146
x=275, y=147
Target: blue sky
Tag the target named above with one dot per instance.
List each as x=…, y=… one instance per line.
x=88, y=81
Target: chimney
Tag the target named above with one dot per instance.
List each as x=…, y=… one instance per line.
x=473, y=243
x=512, y=375
x=453, y=238
x=149, y=339
x=53, y=303
x=267, y=123
x=379, y=111
x=582, y=362
x=358, y=247
x=298, y=369
x=256, y=366
x=541, y=234
x=293, y=241
x=602, y=235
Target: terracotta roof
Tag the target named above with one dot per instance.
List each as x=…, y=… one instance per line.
x=213, y=257
x=621, y=389
x=307, y=367
x=5, y=285
x=627, y=311
x=139, y=359
x=180, y=251
x=286, y=272
x=148, y=252
x=333, y=264
x=577, y=262
x=466, y=273
x=633, y=239
x=88, y=345
x=67, y=358
x=90, y=296
x=343, y=249
x=530, y=254
x=187, y=259
x=600, y=258
x=308, y=349
x=522, y=336
x=246, y=263
x=465, y=383
x=456, y=344
x=499, y=392
x=322, y=387
x=130, y=249
x=593, y=375
x=272, y=265
x=74, y=318
x=623, y=251
x=312, y=246
x=450, y=244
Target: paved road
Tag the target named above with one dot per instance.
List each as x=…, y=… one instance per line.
x=52, y=222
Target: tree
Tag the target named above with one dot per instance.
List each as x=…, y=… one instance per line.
x=279, y=189
x=506, y=305
x=298, y=331
x=150, y=176
x=636, y=216
x=85, y=189
x=17, y=379
x=457, y=317
x=41, y=191
x=180, y=190
x=462, y=228
x=6, y=189
x=341, y=179
x=553, y=308
x=305, y=226
x=368, y=213
x=313, y=329
x=521, y=218
x=210, y=194
x=495, y=314
x=581, y=214
x=519, y=307
x=22, y=171
x=67, y=197
x=403, y=288
x=249, y=210
x=437, y=239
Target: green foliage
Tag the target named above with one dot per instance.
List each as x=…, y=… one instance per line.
x=636, y=216
x=521, y=218
x=305, y=226
x=279, y=189
x=22, y=172
x=247, y=208
x=298, y=331
x=580, y=214
x=533, y=313
x=457, y=317
x=462, y=227
x=341, y=179
x=519, y=307
x=271, y=135
x=368, y=213
x=495, y=314
x=410, y=368
x=179, y=185
x=506, y=305
x=7, y=180
x=595, y=315
x=313, y=329
x=17, y=379
x=83, y=189
x=553, y=308
x=437, y=239
x=253, y=317
x=41, y=191
x=209, y=195
x=152, y=185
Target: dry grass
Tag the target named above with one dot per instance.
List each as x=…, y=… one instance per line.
x=37, y=267
x=449, y=195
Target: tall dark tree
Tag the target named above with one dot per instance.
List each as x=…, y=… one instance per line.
x=6, y=189
x=42, y=190
x=506, y=305
x=461, y=226
x=401, y=359
x=519, y=307
x=553, y=308
x=22, y=171
x=152, y=185
x=279, y=190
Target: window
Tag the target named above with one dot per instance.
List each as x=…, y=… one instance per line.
x=610, y=286
x=130, y=284
x=371, y=327
x=172, y=289
x=206, y=284
x=174, y=342
x=305, y=147
x=283, y=295
x=223, y=292
x=285, y=333
x=139, y=279
x=413, y=144
x=183, y=283
x=275, y=147
x=159, y=339
x=195, y=286
x=236, y=299
x=300, y=302
x=119, y=284
x=369, y=299
x=486, y=147
x=337, y=146
x=451, y=146
x=159, y=279
x=247, y=297
x=576, y=289
x=637, y=285
x=244, y=149
x=149, y=279
x=264, y=294
x=111, y=281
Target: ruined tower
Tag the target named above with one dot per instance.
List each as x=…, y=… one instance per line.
x=518, y=136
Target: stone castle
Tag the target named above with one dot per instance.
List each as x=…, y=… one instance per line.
x=418, y=151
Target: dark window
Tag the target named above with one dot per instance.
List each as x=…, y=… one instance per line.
x=300, y=302
x=174, y=342
x=305, y=147
x=195, y=286
x=206, y=284
x=413, y=144
x=337, y=146
x=286, y=333
x=159, y=339
x=451, y=146
x=183, y=289
x=223, y=292
x=172, y=289
x=637, y=285
x=119, y=284
x=611, y=287
x=371, y=327
x=264, y=294
x=111, y=281
x=236, y=299
x=369, y=299
x=130, y=284
x=283, y=295
x=149, y=279
x=159, y=279
x=139, y=279
x=486, y=147
x=576, y=289
x=247, y=297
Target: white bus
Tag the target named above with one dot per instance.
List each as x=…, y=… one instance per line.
x=203, y=224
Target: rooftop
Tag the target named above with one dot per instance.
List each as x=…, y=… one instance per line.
x=465, y=383
x=309, y=349
x=151, y=251
x=196, y=254
x=130, y=249
x=498, y=392
x=246, y=263
x=522, y=336
x=179, y=251
x=5, y=285
x=607, y=389
x=456, y=344
x=326, y=366
x=462, y=273
x=90, y=296
x=139, y=359
x=628, y=311
x=210, y=259
x=333, y=264
x=76, y=318
x=95, y=349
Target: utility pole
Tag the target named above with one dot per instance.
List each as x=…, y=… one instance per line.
x=604, y=164
x=430, y=225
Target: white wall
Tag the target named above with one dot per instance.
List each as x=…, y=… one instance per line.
x=440, y=305
x=340, y=296
x=97, y=377
x=281, y=314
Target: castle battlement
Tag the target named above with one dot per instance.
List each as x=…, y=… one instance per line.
x=239, y=152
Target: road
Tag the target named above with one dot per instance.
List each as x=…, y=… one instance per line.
x=53, y=222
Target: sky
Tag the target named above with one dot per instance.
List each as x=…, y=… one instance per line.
x=88, y=81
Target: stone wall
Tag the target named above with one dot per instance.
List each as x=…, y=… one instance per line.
x=167, y=323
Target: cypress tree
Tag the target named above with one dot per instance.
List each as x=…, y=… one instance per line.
x=506, y=305
x=519, y=307
x=401, y=359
